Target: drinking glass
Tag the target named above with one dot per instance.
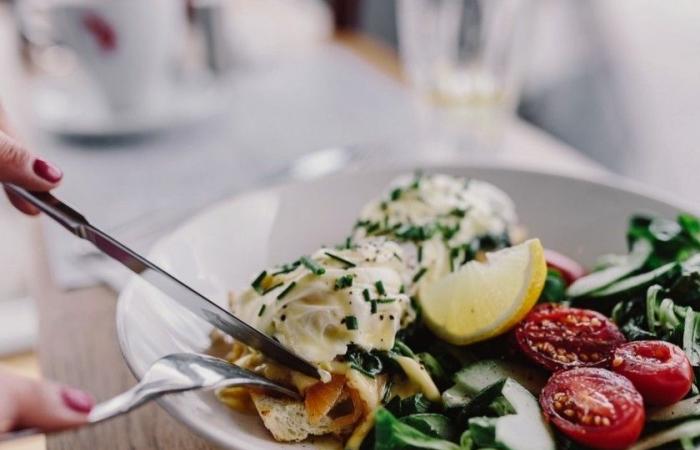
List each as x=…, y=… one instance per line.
x=464, y=60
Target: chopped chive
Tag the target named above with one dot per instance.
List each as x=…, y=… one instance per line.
x=272, y=288
x=312, y=265
x=420, y=273
x=402, y=289
x=262, y=310
x=286, y=290
x=386, y=300
x=365, y=294
x=371, y=228
x=373, y=306
x=395, y=194
x=257, y=283
x=383, y=205
x=343, y=282
x=454, y=252
x=286, y=268
x=415, y=184
x=348, y=264
x=458, y=212
x=415, y=232
x=380, y=287
x=348, y=242
x=396, y=255
x=420, y=253
x=351, y=322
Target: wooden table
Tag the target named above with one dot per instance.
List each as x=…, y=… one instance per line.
x=78, y=343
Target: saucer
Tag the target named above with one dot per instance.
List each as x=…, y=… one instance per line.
x=72, y=107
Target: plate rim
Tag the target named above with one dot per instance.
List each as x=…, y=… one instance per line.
x=606, y=179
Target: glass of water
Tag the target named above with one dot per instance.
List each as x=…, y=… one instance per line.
x=464, y=60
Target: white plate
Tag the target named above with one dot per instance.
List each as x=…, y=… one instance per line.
x=225, y=246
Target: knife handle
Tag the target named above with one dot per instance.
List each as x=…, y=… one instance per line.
x=69, y=218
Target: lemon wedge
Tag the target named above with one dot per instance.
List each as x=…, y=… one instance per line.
x=484, y=299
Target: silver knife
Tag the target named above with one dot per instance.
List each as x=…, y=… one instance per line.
x=201, y=306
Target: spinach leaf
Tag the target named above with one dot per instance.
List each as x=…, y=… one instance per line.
x=554, y=290
x=633, y=332
x=487, y=402
x=435, y=370
x=691, y=337
x=402, y=349
x=686, y=289
x=363, y=361
x=691, y=226
x=392, y=434
x=434, y=425
x=465, y=441
x=500, y=406
x=672, y=241
x=415, y=404
x=483, y=431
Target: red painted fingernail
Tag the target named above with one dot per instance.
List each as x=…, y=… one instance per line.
x=47, y=171
x=77, y=400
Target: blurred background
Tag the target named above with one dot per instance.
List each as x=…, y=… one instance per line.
x=156, y=109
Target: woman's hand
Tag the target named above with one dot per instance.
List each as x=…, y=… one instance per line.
x=19, y=166
x=26, y=403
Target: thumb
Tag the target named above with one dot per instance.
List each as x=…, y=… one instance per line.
x=19, y=166
x=26, y=403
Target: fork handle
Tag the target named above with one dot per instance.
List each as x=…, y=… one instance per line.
x=115, y=406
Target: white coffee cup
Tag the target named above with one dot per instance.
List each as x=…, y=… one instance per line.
x=128, y=47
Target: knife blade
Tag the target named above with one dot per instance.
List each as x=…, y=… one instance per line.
x=183, y=294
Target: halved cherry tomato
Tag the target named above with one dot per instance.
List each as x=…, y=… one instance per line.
x=659, y=370
x=559, y=337
x=569, y=269
x=594, y=407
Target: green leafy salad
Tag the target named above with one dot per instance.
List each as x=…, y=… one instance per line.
x=605, y=360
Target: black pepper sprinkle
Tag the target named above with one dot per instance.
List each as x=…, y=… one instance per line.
x=381, y=317
x=391, y=317
x=283, y=318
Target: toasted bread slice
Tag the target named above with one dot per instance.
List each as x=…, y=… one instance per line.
x=288, y=420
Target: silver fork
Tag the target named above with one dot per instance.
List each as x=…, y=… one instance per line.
x=178, y=372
